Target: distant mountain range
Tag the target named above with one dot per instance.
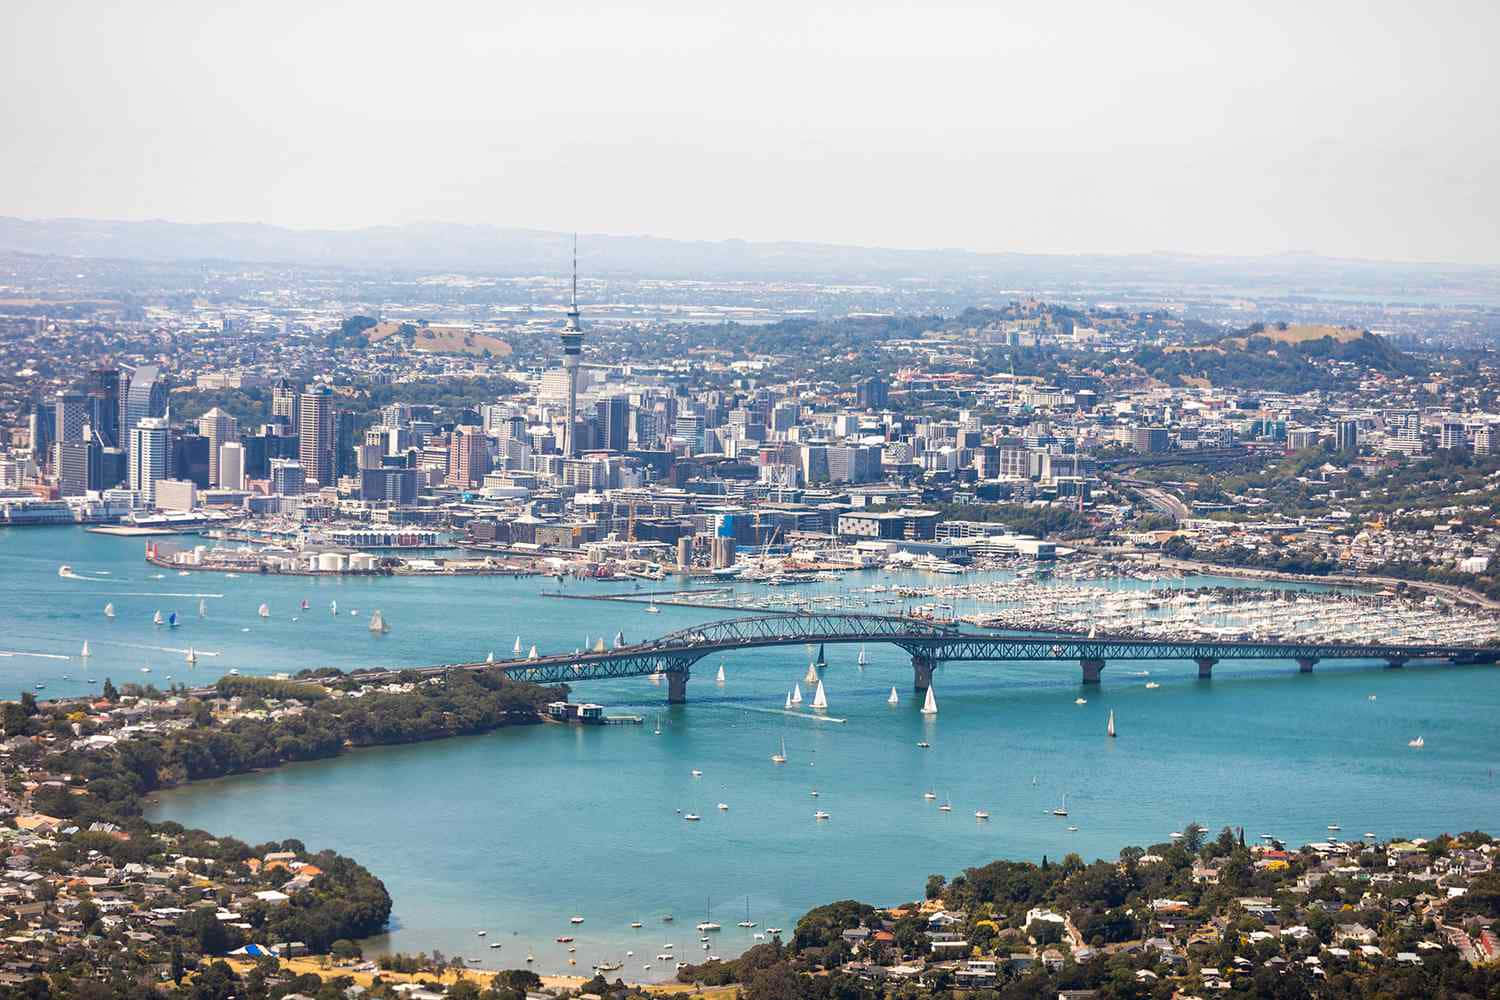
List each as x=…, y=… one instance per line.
x=476, y=249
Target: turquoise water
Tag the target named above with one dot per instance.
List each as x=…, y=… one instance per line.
x=515, y=831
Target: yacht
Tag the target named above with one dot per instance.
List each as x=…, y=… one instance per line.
x=981, y=814
x=697, y=773
x=929, y=795
x=652, y=609
x=723, y=807
x=691, y=817
x=894, y=699
x=1334, y=827
x=1152, y=685
x=264, y=611
x=862, y=658
x=946, y=807
x=780, y=758
x=1417, y=743
x=1062, y=810
x=820, y=814
x=1080, y=701
x=637, y=925
x=929, y=707
x=924, y=745
x=109, y=610
x=575, y=919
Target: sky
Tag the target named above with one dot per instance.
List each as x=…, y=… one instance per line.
x=1366, y=129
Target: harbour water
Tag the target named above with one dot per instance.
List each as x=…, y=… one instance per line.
x=516, y=831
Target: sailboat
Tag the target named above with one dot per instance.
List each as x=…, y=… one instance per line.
x=264, y=611
x=652, y=609
x=658, y=724
x=780, y=758
x=109, y=610
x=203, y=607
x=599, y=646
x=85, y=651
x=894, y=699
x=747, y=922
x=172, y=620
x=157, y=619
x=333, y=607
x=788, y=701
x=719, y=677
x=820, y=661
x=811, y=676
x=862, y=658
x=947, y=805
x=929, y=707
x=532, y=654
x=1417, y=743
x=490, y=657
x=619, y=639
x=377, y=622
x=1062, y=810
x=796, y=693
x=1111, y=729
x=820, y=699
x=192, y=657
x=517, y=647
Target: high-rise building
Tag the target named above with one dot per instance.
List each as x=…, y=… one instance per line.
x=220, y=428
x=231, y=466
x=1454, y=435
x=147, y=397
x=284, y=395
x=872, y=393
x=79, y=467
x=104, y=405
x=287, y=477
x=42, y=425
x=612, y=414
x=1346, y=435
x=572, y=344
x=1485, y=439
x=315, y=432
x=71, y=416
x=149, y=456
x=467, y=454
x=345, y=462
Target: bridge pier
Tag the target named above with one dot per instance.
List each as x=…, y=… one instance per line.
x=1092, y=668
x=1206, y=667
x=1395, y=662
x=1305, y=664
x=921, y=673
x=677, y=687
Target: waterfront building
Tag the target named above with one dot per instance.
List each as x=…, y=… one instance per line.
x=176, y=495
x=149, y=444
x=79, y=466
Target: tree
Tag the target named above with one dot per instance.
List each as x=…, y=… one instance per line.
x=176, y=966
x=203, y=927
x=28, y=703
x=935, y=885
x=343, y=948
x=1192, y=837
x=110, y=693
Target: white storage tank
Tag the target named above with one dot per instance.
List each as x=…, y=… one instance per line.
x=331, y=562
x=362, y=561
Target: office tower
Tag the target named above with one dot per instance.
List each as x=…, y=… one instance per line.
x=42, y=425
x=1453, y=433
x=70, y=416
x=613, y=417
x=1484, y=439
x=104, y=405
x=287, y=477
x=230, y=467
x=79, y=466
x=871, y=393
x=284, y=402
x=1346, y=435
x=315, y=432
x=572, y=344
x=146, y=398
x=345, y=463
x=187, y=456
x=220, y=428
x=148, y=455
x=467, y=454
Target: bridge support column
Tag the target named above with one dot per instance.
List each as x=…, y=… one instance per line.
x=677, y=687
x=1092, y=668
x=1395, y=662
x=1206, y=667
x=1305, y=664
x=921, y=673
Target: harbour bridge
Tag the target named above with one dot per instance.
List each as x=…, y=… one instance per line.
x=931, y=644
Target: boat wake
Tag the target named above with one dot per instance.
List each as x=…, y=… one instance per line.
x=43, y=656
x=161, y=593
x=67, y=573
x=793, y=715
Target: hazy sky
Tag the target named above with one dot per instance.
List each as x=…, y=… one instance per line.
x=1367, y=129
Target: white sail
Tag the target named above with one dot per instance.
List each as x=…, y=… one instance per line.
x=531, y=655
x=156, y=619
x=719, y=677
x=490, y=658
x=191, y=657
x=377, y=622
x=599, y=646
x=894, y=699
x=862, y=658
x=202, y=608
x=85, y=651
x=812, y=674
x=929, y=707
x=820, y=697
x=1111, y=729
x=788, y=700
x=265, y=611
x=619, y=639
x=517, y=647
x=109, y=610
x=796, y=694
x=333, y=607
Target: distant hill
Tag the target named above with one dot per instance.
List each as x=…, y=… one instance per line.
x=1279, y=358
x=482, y=249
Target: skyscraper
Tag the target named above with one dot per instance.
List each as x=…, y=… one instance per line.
x=220, y=428
x=284, y=401
x=1346, y=435
x=572, y=344
x=148, y=456
x=613, y=415
x=104, y=405
x=146, y=397
x=467, y=451
x=315, y=433
x=231, y=467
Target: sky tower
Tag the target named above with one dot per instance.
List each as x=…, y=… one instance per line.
x=572, y=343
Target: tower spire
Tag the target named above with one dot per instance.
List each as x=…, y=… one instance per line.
x=572, y=345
